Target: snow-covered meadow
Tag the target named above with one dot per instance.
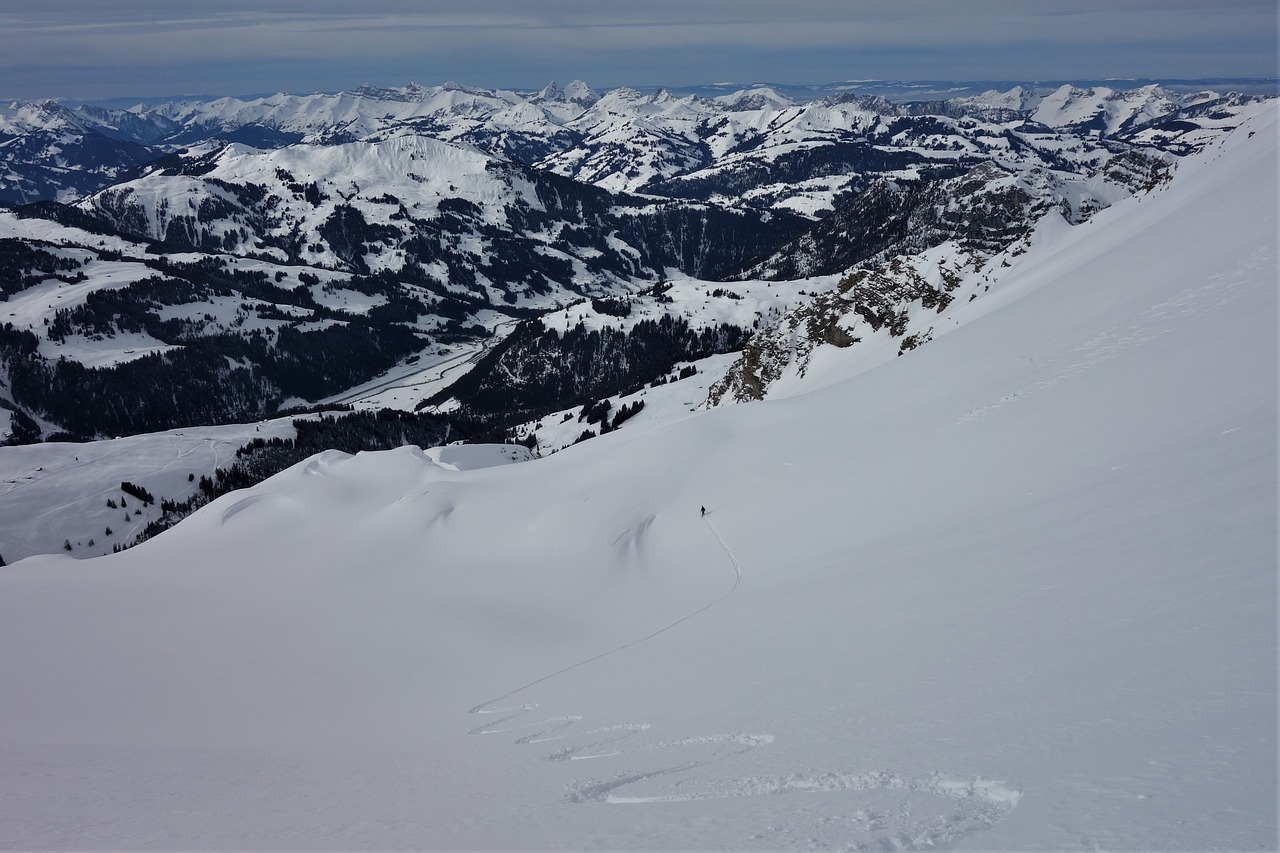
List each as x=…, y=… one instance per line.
x=1013, y=590
x=57, y=492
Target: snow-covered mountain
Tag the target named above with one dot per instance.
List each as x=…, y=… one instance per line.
x=1013, y=590
x=799, y=154
x=425, y=210
x=372, y=245
x=985, y=210
x=529, y=266
x=48, y=151
x=254, y=278
x=1102, y=110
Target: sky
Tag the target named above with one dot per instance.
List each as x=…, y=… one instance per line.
x=124, y=48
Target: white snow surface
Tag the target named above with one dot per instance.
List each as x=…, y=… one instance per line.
x=57, y=492
x=1013, y=590
x=1070, y=105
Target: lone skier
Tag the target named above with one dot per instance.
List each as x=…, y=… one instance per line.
x=704, y=510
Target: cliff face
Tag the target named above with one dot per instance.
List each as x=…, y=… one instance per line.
x=895, y=301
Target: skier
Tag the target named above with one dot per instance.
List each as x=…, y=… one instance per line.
x=704, y=510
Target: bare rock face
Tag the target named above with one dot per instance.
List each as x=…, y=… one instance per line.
x=866, y=301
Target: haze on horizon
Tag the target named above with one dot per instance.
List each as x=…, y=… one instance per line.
x=91, y=49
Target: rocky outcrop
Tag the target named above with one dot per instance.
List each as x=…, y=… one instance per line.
x=867, y=301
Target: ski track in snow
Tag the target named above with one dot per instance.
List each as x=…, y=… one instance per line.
x=1221, y=289
x=946, y=807
x=484, y=707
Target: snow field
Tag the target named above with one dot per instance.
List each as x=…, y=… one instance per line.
x=58, y=491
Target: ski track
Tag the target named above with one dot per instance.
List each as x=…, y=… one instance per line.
x=484, y=707
x=874, y=809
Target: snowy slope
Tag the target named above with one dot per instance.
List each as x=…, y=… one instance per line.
x=1102, y=109
x=58, y=491
x=1014, y=590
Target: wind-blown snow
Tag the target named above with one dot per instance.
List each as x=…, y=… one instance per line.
x=1016, y=589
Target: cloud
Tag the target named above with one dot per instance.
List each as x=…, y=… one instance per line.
x=510, y=41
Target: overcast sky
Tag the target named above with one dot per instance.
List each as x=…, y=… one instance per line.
x=124, y=48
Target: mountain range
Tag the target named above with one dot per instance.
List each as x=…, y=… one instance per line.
x=964, y=538
x=222, y=260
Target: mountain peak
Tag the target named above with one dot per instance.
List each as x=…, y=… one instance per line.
x=754, y=98
x=579, y=91
x=549, y=92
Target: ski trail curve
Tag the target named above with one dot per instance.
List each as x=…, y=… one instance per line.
x=484, y=707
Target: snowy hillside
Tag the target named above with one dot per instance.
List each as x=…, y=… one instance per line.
x=1013, y=590
x=56, y=491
